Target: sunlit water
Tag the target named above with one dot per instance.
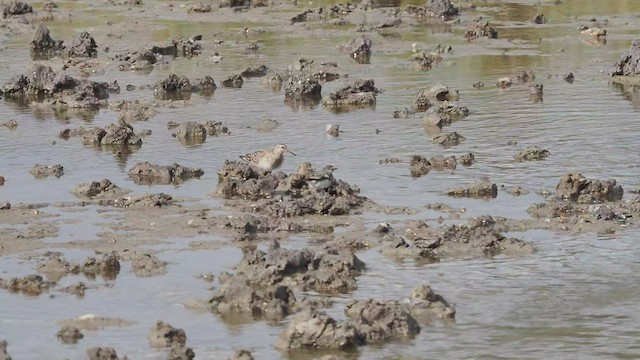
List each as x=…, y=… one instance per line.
x=576, y=297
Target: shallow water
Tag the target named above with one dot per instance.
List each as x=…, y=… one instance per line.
x=576, y=297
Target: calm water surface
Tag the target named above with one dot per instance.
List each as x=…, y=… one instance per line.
x=576, y=297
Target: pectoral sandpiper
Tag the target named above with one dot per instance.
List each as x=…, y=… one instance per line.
x=267, y=160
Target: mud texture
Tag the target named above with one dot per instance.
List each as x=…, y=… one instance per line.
x=145, y=173
x=130, y=111
x=434, y=8
x=233, y=81
x=482, y=189
x=531, y=153
x=43, y=171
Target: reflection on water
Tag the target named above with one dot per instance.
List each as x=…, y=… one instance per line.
x=576, y=297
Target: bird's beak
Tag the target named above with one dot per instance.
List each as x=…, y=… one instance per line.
x=291, y=152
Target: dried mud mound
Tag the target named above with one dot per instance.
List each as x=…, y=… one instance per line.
x=282, y=195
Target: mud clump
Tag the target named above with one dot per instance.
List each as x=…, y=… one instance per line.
x=173, y=87
x=143, y=60
x=242, y=355
x=448, y=140
x=69, y=335
x=424, y=303
x=180, y=352
x=531, y=153
x=192, y=132
x=441, y=92
x=362, y=93
x=434, y=8
x=179, y=47
x=420, y=165
x=258, y=71
x=478, y=238
x=323, y=271
x=424, y=61
x=4, y=355
x=43, y=46
x=59, y=91
x=145, y=265
x=163, y=334
x=539, y=19
x=120, y=134
x=16, y=8
x=480, y=29
x=317, y=330
x=302, y=90
x=11, y=124
x=101, y=353
x=378, y=322
x=43, y=171
x=103, y=189
x=238, y=296
x=2, y=180
x=82, y=46
x=147, y=174
x=32, y=285
x=141, y=201
x=576, y=187
x=482, y=189
x=134, y=111
x=445, y=114
x=108, y=266
x=280, y=195
x=368, y=322
x=359, y=49
x=536, y=92
x=258, y=287
x=629, y=62
x=467, y=159
x=233, y=81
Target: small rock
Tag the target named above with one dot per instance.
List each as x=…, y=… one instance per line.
x=568, y=77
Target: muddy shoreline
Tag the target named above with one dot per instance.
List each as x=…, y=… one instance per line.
x=137, y=177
